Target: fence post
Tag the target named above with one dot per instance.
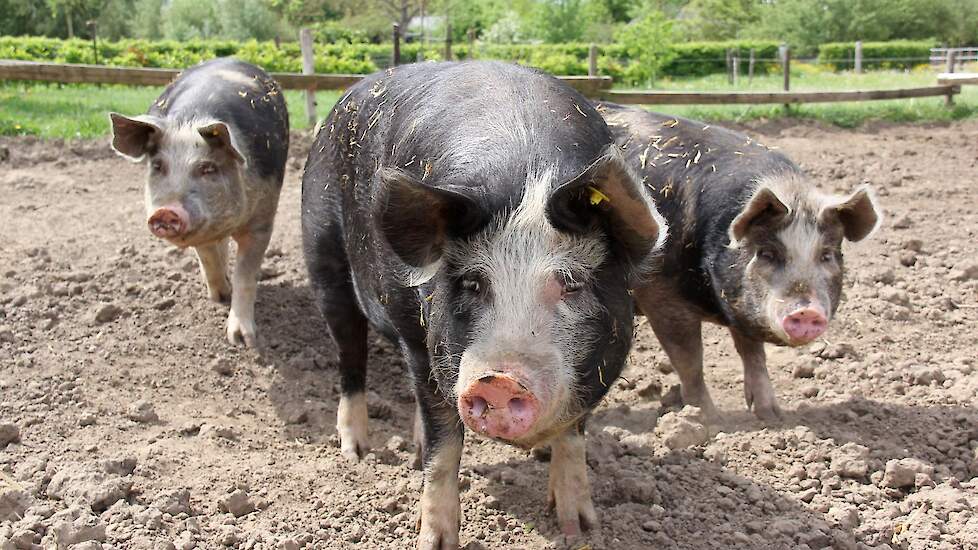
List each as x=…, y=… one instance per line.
x=951, y=54
x=396, y=51
x=592, y=60
x=859, y=57
x=787, y=71
x=736, y=69
x=471, y=35
x=750, y=67
x=308, y=67
x=448, y=41
x=729, y=63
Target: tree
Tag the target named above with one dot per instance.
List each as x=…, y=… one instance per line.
x=718, y=19
x=187, y=19
x=147, y=21
x=646, y=40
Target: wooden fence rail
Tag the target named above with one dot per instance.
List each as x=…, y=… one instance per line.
x=138, y=76
x=591, y=86
x=756, y=98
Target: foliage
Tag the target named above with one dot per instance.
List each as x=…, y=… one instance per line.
x=646, y=41
x=895, y=54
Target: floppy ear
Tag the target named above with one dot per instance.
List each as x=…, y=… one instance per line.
x=219, y=136
x=858, y=213
x=764, y=207
x=131, y=136
x=608, y=194
x=418, y=219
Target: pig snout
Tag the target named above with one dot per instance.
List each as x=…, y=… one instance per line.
x=497, y=405
x=804, y=324
x=169, y=222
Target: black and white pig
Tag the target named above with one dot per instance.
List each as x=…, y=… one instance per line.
x=753, y=246
x=215, y=143
x=479, y=215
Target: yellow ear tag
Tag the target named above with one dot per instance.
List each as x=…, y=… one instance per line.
x=597, y=197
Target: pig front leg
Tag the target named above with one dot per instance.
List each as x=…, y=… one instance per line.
x=441, y=510
x=251, y=250
x=569, y=490
x=680, y=332
x=757, y=383
x=213, y=260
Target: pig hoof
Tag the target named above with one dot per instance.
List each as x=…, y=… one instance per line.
x=242, y=332
x=437, y=535
x=574, y=515
x=768, y=413
x=222, y=294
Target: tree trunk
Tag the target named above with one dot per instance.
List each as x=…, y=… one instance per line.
x=71, y=27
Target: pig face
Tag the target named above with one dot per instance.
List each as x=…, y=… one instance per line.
x=527, y=308
x=195, y=189
x=788, y=238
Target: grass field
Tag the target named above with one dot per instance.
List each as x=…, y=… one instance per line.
x=79, y=111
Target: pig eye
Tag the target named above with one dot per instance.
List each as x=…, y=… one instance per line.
x=207, y=168
x=156, y=165
x=827, y=256
x=767, y=255
x=572, y=287
x=471, y=285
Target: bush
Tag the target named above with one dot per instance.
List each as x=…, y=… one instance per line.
x=895, y=54
x=704, y=58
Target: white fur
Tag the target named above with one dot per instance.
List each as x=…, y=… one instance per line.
x=440, y=508
x=351, y=424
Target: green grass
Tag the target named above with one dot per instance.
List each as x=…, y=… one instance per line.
x=79, y=111
x=844, y=114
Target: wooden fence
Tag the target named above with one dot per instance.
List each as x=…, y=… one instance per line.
x=591, y=86
x=597, y=87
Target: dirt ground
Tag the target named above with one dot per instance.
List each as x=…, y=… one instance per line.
x=127, y=420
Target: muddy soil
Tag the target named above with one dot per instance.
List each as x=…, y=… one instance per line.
x=127, y=420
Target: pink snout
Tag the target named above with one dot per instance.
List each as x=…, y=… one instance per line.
x=498, y=406
x=169, y=222
x=804, y=325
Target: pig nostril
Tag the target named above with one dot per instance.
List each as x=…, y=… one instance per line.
x=477, y=406
x=517, y=406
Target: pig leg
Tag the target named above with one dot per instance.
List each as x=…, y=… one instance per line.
x=570, y=492
x=334, y=294
x=251, y=250
x=757, y=383
x=418, y=439
x=441, y=510
x=681, y=334
x=213, y=260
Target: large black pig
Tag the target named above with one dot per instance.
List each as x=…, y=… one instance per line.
x=753, y=246
x=215, y=144
x=479, y=215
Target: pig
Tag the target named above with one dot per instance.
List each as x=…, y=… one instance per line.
x=479, y=215
x=753, y=246
x=215, y=143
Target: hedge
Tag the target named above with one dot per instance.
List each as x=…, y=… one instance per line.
x=895, y=54
x=690, y=59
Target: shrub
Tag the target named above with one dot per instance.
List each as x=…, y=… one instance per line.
x=895, y=54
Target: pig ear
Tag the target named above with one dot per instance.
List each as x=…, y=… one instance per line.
x=764, y=207
x=131, y=136
x=609, y=194
x=418, y=219
x=858, y=213
x=219, y=136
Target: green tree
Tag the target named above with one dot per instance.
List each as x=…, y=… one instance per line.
x=147, y=19
x=718, y=19
x=188, y=19
x=248, y=20
x=646, y=40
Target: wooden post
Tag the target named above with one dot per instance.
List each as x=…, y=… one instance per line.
x=736, y=69
x=471, y=35
x=448, y=41
x=750, y=67
x=729, y=74
x=787, y=72
x=396, y=50
x=951, y=54
x=94, y=25
x=859, y=57
x=592, y=60
x=308, y=67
